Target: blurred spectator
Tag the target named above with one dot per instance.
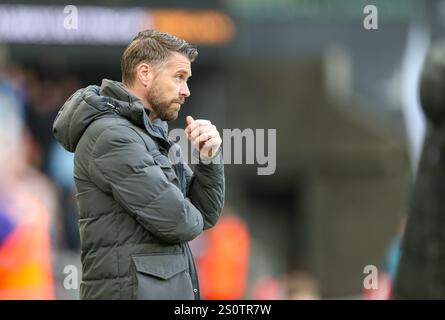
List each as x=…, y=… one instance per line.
x=302, y=286
x=294, y=285
x=222, y=258
x=269, y=288
x=40, y=98
x=25, y=218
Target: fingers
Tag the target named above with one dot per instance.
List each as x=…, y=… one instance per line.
x=199, y=131
x=195, y=124
x=208, y=135
x=211, y=146
x=213, y=142
x=189, y=120
x=204, y=136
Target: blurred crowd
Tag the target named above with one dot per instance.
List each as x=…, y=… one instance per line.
x=38, y=214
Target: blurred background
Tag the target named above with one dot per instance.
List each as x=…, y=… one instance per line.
x=343, y=101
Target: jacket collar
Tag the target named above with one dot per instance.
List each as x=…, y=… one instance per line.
x=131, y=107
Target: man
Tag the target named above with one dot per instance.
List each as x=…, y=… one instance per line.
x=138, y=210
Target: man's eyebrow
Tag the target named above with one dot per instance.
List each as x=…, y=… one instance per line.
x=185, y=71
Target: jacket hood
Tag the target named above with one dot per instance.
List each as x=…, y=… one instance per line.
x=93, y=102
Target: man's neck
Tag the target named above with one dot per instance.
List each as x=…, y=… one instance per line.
x=152, y=116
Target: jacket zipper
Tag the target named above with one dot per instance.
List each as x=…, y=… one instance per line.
x=193, y=272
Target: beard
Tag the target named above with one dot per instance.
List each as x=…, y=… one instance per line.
x=162, y=107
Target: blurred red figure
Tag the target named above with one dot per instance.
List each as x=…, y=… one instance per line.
x=223, y=259
x=25, y=262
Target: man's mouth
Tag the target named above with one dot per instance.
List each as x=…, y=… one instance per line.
x=179, y=103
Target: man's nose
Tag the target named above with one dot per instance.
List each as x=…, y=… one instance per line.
x=185, y=92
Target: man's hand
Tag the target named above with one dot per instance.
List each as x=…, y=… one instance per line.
x=204, y=137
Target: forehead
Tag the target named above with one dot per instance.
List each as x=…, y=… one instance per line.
x=178, y=62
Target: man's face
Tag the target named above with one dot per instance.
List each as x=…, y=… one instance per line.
x=169, y=87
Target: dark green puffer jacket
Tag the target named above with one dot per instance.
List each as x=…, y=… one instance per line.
x=137, y=209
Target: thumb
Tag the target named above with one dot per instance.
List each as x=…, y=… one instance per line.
x=189, y=120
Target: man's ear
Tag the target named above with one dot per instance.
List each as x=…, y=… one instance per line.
x=144, y=73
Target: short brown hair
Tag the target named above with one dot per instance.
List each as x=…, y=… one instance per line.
x=152, y=47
